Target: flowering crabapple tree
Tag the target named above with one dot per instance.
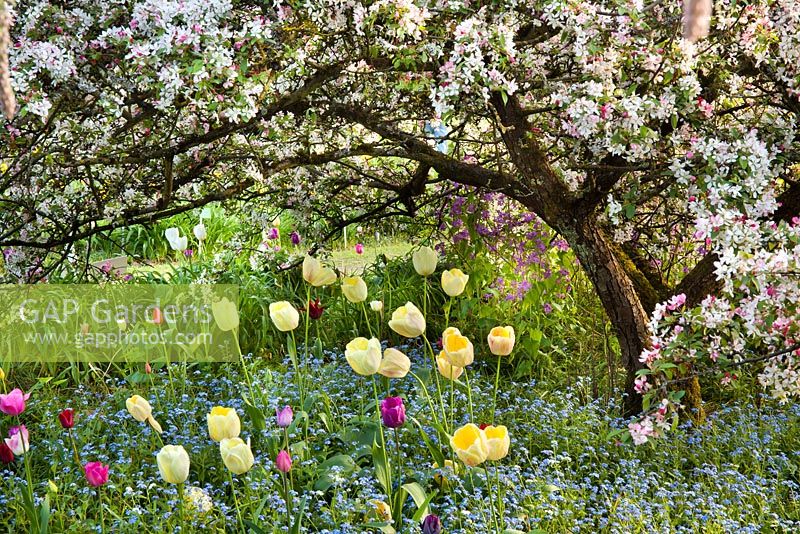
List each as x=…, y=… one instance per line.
x=666, y=165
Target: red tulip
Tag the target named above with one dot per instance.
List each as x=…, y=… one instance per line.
x=6, y=454
x=283, y=462
x=67, y=418
x=315, y=309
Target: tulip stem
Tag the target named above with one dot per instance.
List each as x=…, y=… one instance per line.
x=428, y=397
x=244, y=366
x=491, y=499
x=236, y=501
x=25, y=449
x=496, y=383
x=469, y=395
x=438, y=384
x=298, y=375
x=102, y=512
x=181, y=504
x=305, y=343
x=74, y=449
x=399, y=456
x=366, y=318
x=383, y=438
x=288, y=498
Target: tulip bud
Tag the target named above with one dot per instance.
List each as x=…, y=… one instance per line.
x=284, y=416
x=359, y=248
x=454, y=281
x=223, y=423
x=376, y=306
x=147, y=368
x=158, y=317
x=395, y=364
x=354, y=289
x=284, y=316
x=425, y=260
x=408, y=321
x=364, y=355
x=173, y=464
x=501, y=340
x=295, y=238
x=96, y=473
x=2, y=375
x=236, y=455
x=283, y=462
x=67, y=418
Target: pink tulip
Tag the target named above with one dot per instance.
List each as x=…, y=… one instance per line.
x=283, y=462
x=96, y=473
x=18, y=440
x=14, y=402
x=359, y=248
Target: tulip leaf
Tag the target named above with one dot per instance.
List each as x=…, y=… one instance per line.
x=344, y=464
x=259, y=421
x=421, y=499
x=438, y=457
x=382, y=472
x=298, y=516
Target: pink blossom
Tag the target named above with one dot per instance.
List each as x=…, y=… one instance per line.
x=13, y=403
x=96, y=473
x=18, y=440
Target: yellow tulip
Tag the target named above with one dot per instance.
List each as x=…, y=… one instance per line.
x=450, y=469
x=139, y=408
x=446, y=369
x=382, y=510
x=425, y=260
x=173, y=464
x=454, y=281
x=458, y=349
x=498, y=441
x=469, y=444
x=2, y=374
x=223, y=423
x=364, y=355
x=354, y=289
x=395, y=364
x=236, y=455
x=408, y=321
x=501, y=340
x=316, y=274
x=284, y=316
x=225, y=314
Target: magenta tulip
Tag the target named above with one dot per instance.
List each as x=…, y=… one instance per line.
x=96, y=473
x=393, y=412
x=14, y=402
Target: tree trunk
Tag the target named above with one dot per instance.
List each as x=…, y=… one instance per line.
x=616, y=291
